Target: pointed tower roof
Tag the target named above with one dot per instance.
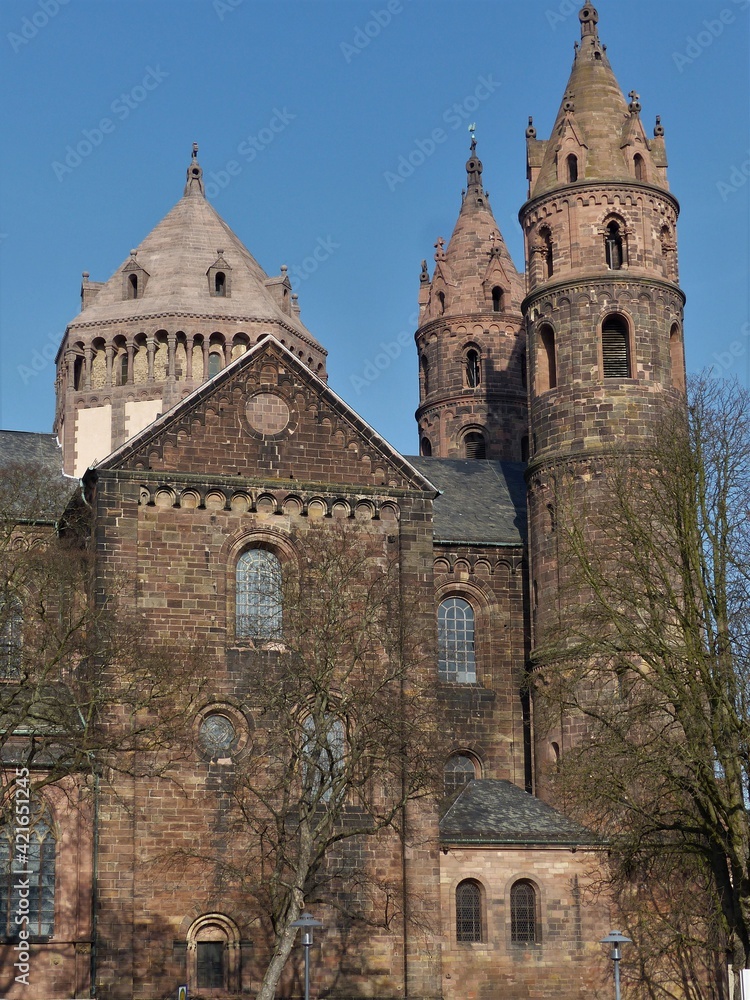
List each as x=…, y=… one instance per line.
x=476, y=253
x=595, y=112
x=175, y=265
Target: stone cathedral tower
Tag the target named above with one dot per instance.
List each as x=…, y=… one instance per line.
x=603, y=309
x=472, y=374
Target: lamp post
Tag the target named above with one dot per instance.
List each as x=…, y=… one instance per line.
x=615, y=938
x=307, y=921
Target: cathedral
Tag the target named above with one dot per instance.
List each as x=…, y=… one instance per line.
x=194, y=407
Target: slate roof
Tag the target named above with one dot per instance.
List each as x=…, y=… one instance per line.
x=481, y=501
x=36, y=498
x=498, y=812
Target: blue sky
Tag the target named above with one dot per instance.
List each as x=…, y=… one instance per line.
x=315, y=102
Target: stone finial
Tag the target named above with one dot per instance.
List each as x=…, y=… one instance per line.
x=424, y=274
x=473, y=164
x=658, y=128
x=589, y=18
x=635, y=104
x=194, y=182
x=133, y=254
x=569, y=103
x=530, y=130
x=440, y=249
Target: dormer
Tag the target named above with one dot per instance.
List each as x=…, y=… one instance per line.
x=219, y=277
x=89, y=290
x=281, y=289
x=571, y=149
x=134, y=278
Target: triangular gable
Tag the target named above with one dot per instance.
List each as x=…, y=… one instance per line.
x=569, y=128
x=267, y=416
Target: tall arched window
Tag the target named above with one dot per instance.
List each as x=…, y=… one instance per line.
x=474, y=445
x=133, y=286
x=258, y=595
x=546, y=360
x=548, y=257
x=425, y=447
x=11, y=637
x=122, y=368
x=572, y=164
x=441, y=302
x=468, y=911
x=640, y=167
x=615, y=347
x=677, y=358
x=425, y=364
x=38, y=867
x=523, y=922
x=324, y=754
x=615, y=246
x=456, y=661
x=473, y=368
x=220, y=283
x=497, y=299
x=214, y=364
x=459, y=770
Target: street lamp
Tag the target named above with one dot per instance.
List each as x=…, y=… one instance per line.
x=307, y=921
x=615, y=938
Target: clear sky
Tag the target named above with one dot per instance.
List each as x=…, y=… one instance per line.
x=316, y=103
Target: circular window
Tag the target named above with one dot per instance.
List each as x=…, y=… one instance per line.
x=217, y=735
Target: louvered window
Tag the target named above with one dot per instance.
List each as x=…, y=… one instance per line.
x=474, y=446
x=615, y=352
x=468, y=911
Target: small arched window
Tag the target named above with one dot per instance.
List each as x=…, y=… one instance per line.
x=214, y=364
x=640, y=167
x=523, y=921
x=441, y=302
x=220, y=283
x=78, y=372
x=11, y=637
x=572, y=165
x=474, y=445
x=497, y=299
x=425, y=375
x=546, y=360
x=548, y=257
x=615, y=246
x=456, y=660
x=133, y=286
x=468, y=911
x=35, y=868
x=122, y=369
x=425, y=447
x=473, y=369
x=615, y=347
x=459, y=770
x=258, y=595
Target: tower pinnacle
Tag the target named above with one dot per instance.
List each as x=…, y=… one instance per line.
x=194, y=182
x=589, y=18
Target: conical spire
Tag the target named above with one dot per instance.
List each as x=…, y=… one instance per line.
x=594, y=123
x=194, y=182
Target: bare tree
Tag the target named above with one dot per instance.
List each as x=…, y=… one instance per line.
x=83, y=686
x=344, y=738
x=652, y=648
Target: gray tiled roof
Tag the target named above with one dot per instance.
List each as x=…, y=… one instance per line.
x=498, y=812
x=481, y=501
x=30, y=496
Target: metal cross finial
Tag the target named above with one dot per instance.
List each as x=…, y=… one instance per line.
x=472, y=129
x=633, y=96
x=195, y=151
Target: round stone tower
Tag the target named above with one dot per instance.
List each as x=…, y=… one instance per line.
x=603, y=309
x=470, y=341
